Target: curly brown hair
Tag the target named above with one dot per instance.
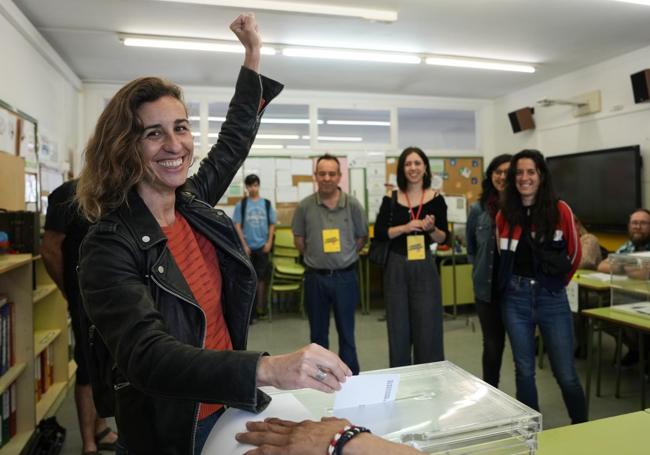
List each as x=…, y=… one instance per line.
x=114, y=163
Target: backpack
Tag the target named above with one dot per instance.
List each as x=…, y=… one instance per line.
x=47, y=439
x=267, y=203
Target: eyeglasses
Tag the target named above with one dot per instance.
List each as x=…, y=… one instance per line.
x=500, y=173
x=637, y=223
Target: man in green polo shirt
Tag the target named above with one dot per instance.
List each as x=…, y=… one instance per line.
x=329, y=229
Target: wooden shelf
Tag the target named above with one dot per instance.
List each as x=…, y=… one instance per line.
x=11, y=261
x=72, y=369
x=51, y=400
x=16, y=444
x=10, y=376
x=43, y=291
x=44, y=338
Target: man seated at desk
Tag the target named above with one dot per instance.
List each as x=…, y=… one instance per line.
x=638, y=229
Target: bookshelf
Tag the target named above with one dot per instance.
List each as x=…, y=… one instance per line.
x=40, y=327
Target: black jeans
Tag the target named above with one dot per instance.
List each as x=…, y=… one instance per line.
x=494, y=338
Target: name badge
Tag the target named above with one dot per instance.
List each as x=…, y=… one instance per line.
x=331, y=241
x=415, y=247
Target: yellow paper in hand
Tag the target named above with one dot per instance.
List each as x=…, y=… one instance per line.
x=331, y=241
x=415, y=247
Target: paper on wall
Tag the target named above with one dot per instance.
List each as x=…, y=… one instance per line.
x=283, y=177
x=286, y=194
x=305, y=189
x=301, y=166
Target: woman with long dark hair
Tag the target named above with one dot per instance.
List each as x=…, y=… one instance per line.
x=540, y=251
x=482, y=253
x=413, y=217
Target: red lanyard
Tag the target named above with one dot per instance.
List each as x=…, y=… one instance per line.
x=414, y=217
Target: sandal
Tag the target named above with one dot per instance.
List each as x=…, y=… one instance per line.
x=110, y=446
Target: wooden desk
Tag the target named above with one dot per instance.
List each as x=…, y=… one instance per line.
x=597, y=316
x=626, y=434
x=592, y=293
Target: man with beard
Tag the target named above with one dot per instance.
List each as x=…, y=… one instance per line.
x=638, y=229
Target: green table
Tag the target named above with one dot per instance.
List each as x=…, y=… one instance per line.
x=598, y=316
x=626, y=434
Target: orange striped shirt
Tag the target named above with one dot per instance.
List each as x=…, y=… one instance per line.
x=197, y=260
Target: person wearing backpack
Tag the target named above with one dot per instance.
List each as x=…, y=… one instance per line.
x=255, y=219
x=163, y=276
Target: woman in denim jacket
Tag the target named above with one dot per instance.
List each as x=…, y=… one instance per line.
x=481, y=250
x=540, y=251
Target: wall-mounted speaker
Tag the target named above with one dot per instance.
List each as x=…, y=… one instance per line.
x=522, y=119
x=640, y=84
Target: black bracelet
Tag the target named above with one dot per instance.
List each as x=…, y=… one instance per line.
x=346, y=436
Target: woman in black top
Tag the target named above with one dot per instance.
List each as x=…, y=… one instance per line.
x=411, y=283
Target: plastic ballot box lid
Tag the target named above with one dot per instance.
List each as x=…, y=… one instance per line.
x=439, y=408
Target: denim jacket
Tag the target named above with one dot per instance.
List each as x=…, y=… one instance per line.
x=481, y=248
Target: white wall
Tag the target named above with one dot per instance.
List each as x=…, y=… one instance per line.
x=557, y=132
x=32, y=81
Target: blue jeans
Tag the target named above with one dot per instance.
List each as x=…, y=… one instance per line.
x=526, y=305
x=339, y=290
x=203, y=429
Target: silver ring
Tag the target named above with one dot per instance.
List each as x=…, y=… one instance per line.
x=320, y=375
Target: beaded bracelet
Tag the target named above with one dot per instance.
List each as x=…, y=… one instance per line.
x=332, y=447
x=343, y=437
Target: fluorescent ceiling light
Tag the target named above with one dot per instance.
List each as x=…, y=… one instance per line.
x=278, y=136
x=298, y=147
x=637, y=2
x=351, y=54
x=479, y=64
x=289, y=121
x=336, y=138
x=304, y=8
x=190, y=44
x=267, y=146
x=322, y=53
x=357, y=123
x=284, y=121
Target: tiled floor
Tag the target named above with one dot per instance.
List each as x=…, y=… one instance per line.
x=462, y=346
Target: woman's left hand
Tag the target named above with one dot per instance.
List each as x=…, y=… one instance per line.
x=276, y=436
x=428, y=223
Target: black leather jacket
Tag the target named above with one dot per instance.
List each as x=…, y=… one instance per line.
x=145, y=312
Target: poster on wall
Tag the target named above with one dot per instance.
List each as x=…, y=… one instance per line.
x=27, y=139
x=7, y=132
x=47, y=148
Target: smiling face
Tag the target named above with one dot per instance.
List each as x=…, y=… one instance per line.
x=527, y=178
x=166, y=144
x=498, y=176
x=328, y=177
x=414, y=169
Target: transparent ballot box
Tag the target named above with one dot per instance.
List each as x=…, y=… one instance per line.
x=630, y=283
x=440, y=408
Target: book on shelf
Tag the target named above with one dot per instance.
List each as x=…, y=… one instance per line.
x=6, y=414
x=12, y=410
x=3, y=298
x=12, y=339
x=4, y=339
x=37, y=379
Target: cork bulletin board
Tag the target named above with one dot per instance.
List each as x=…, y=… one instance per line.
x=463, y=176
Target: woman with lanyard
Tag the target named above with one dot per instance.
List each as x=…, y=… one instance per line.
x=411, y=283
x=540, y=251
